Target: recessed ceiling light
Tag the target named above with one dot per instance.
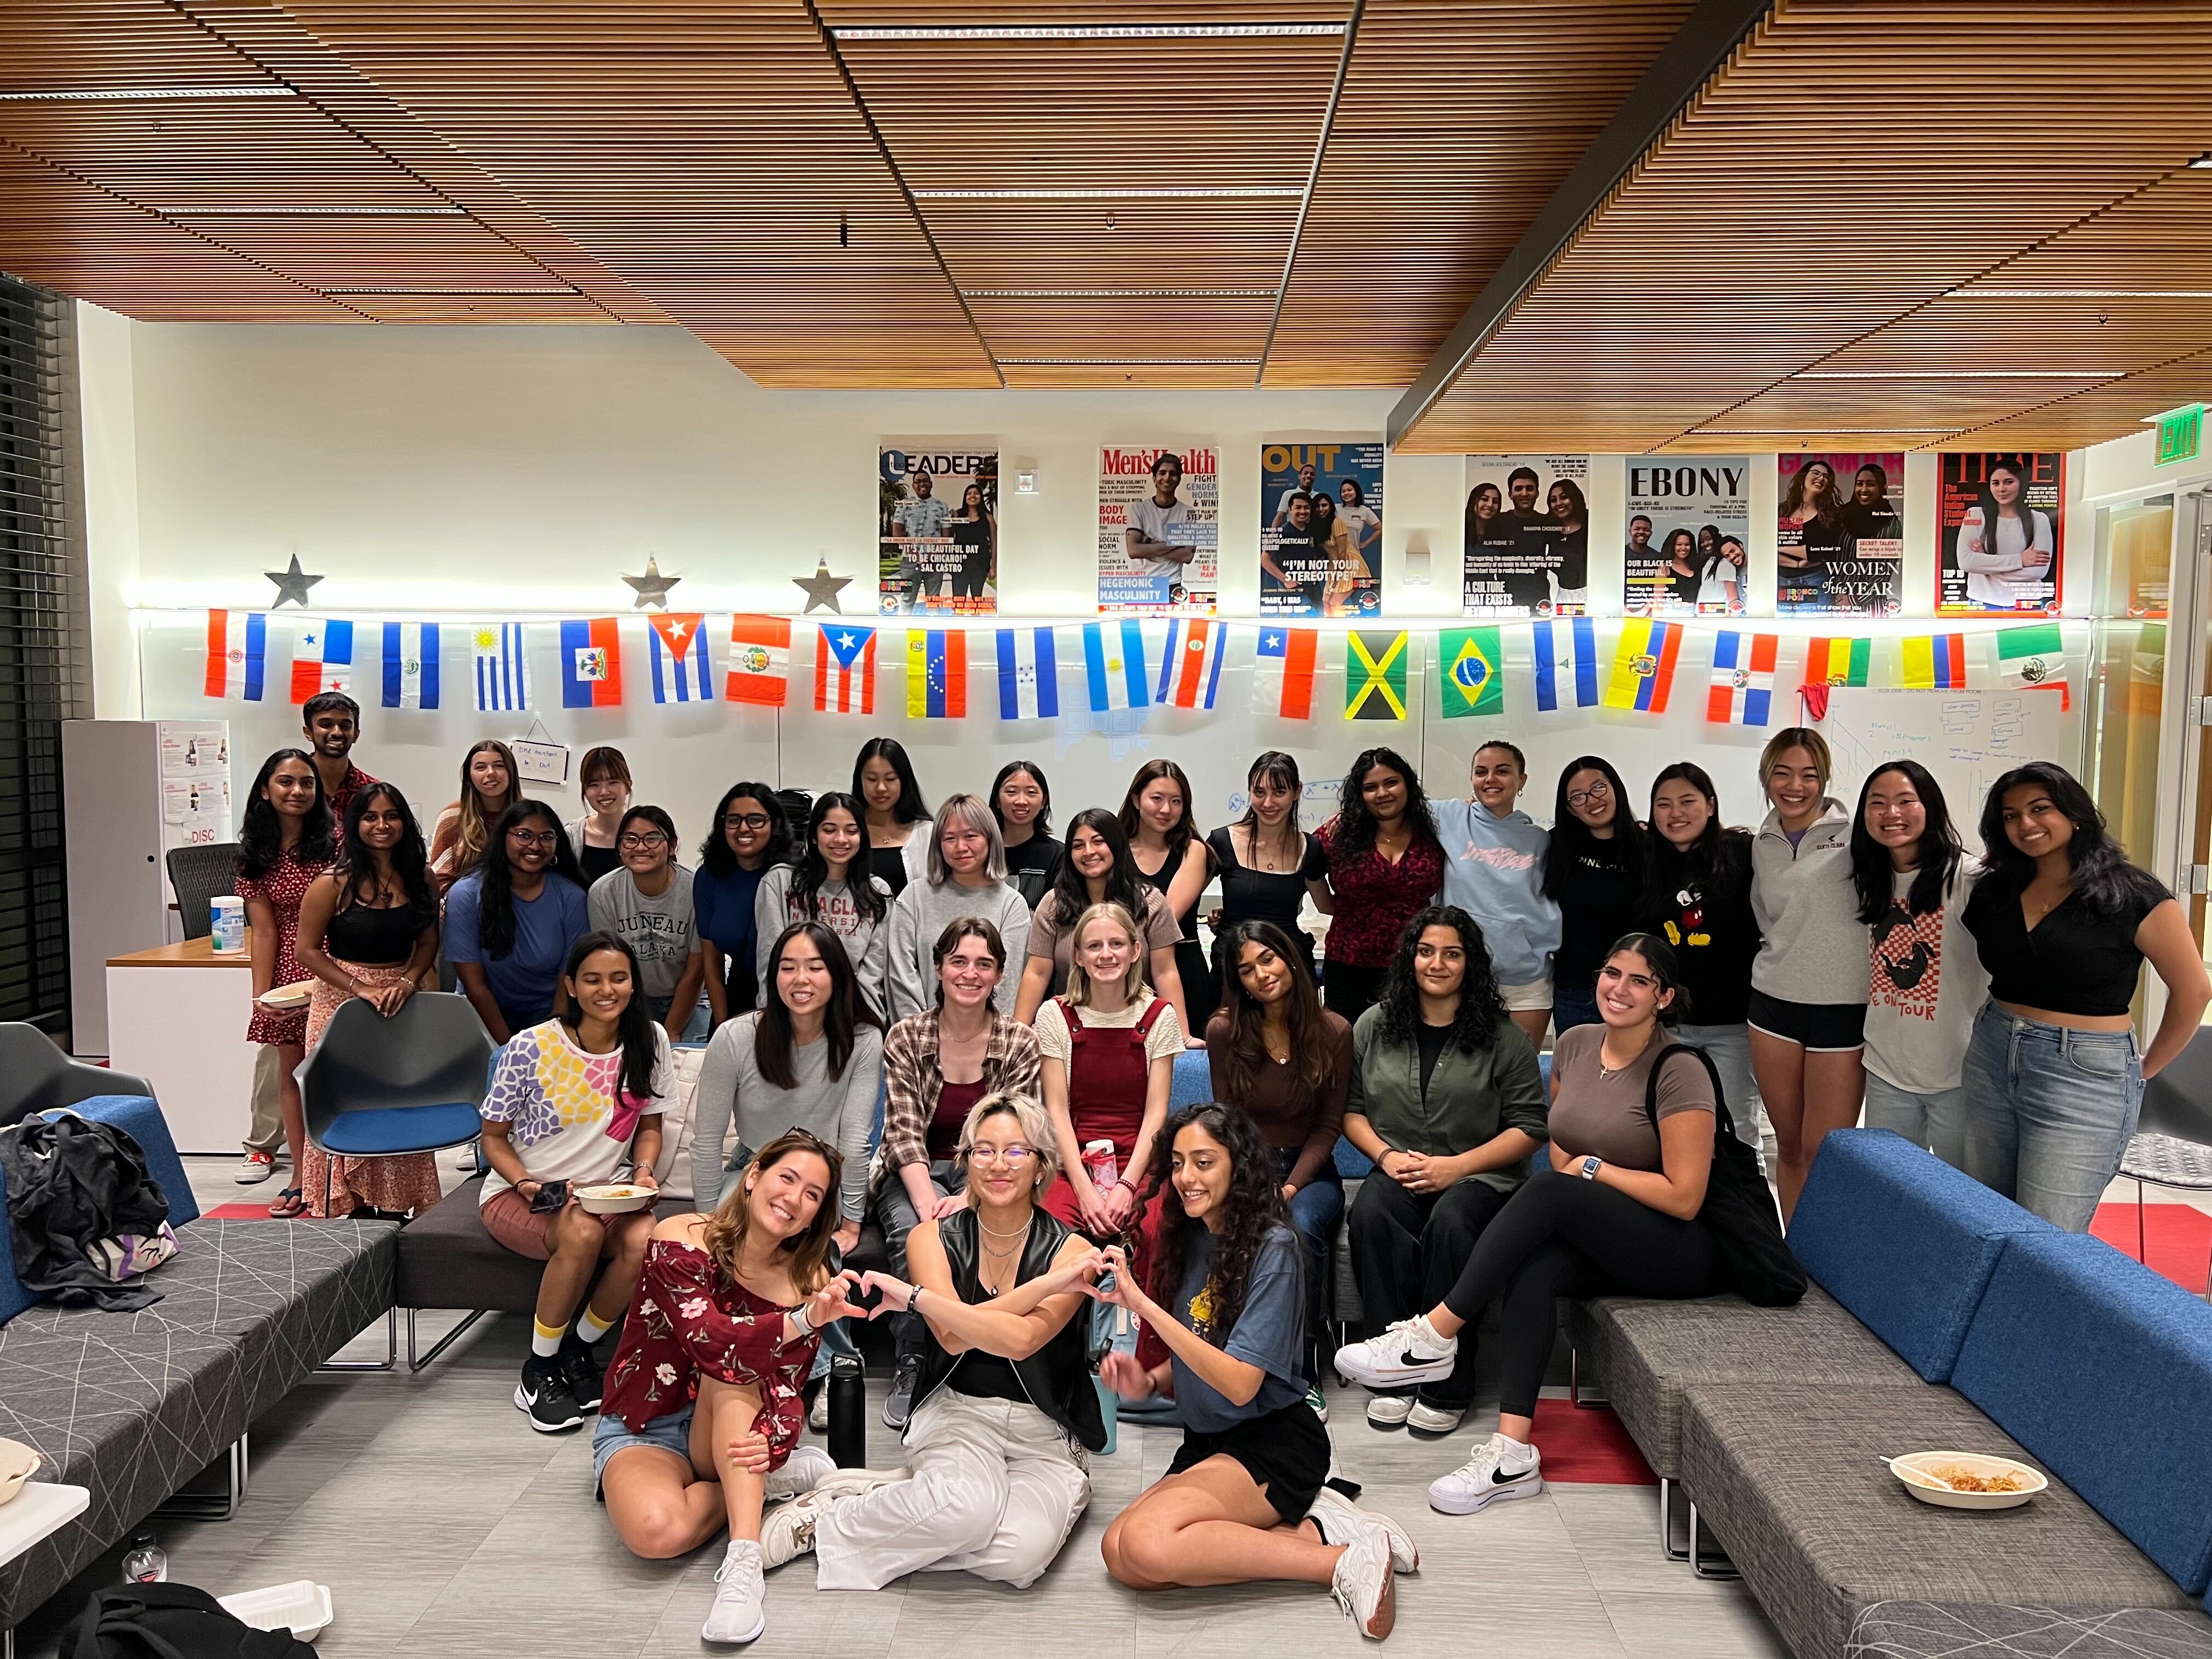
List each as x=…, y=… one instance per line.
x=2203, y=162
x=549, y=293
x=1120, y=293
x=1092, y=32
x=1959, y=374
x=1829, y=431
x=2079, y=294
x=1141, y=194
x=135, y=94
x=317, y=213
x=1119, y=363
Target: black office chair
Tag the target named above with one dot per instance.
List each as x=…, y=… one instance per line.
x=199, y=875
x=37, y=1077
x=2173, y=1143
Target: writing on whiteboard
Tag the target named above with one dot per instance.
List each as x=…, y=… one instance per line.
x=1967, y=739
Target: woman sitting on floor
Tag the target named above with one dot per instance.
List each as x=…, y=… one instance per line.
x=1244, y=1498
x=702, y=1414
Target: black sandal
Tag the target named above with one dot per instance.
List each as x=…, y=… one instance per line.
x=291, y=1203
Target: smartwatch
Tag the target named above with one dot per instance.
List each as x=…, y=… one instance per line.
x=1590, y=1167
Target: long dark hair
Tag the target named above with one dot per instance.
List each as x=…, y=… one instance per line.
x=715, y=856
x=1247, y=1060
x=2102, y=878
x=356, y=866
x=810, y=869
x=1125, y=884
x=1571, y=839
x=1355, y=825
x=641, y=1050
x=1040, y=825
x=1717, y=858
x=910, y=807
x=1939, y=851
x=495, y=909
x=1828, y=506
x=1481, y=1005
x=261, y=836
x=1985, y=501
x=1254, y=1206
x=848, y=1010
x=1180, y=837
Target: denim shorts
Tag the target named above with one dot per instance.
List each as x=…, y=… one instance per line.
x=671, y=1433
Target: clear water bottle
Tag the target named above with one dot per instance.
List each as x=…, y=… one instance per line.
x=146, y=1562
x=1098, y=1162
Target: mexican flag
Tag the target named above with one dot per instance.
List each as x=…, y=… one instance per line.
x=2034, y=657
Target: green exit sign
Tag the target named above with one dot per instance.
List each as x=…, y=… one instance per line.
x=2180, y=434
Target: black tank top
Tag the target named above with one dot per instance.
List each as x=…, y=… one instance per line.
x=373, y=937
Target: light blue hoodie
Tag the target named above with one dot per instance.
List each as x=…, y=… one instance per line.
x=1494, y=871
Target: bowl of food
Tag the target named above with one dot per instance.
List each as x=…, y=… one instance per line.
x=1967, y=1481
x=615, y=1198
x=18, y=1463
x=284, y=998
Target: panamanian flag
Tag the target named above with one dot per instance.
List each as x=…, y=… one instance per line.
x=322, y=657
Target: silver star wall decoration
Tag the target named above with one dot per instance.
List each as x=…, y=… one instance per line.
x=651, y=588
x=822, y=588
x=292, y=584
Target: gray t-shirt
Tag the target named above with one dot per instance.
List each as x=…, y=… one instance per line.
x=1269, y=1333
x=840, y=1110
x=1926, y=985
x=662, y=932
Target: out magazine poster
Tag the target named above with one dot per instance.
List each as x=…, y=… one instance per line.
x=1320, y=528
x=1527, y=547
x=1159, y=525
x=1839, y=534
x=1689, y=535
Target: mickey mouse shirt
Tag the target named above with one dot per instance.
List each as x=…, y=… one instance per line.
x=1926, y=985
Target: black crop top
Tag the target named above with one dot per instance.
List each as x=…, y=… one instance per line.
x=371, y=938
x=2073, y=961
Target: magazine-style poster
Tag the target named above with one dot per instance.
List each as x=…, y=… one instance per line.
x=1839, y=541
x=1689, y=536
x=1999, y=540
x=1527, y=547
x=937, y=524
x=1159, y=523
x=1320, y=528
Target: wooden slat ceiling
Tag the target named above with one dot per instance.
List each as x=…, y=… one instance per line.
x=1830, y=241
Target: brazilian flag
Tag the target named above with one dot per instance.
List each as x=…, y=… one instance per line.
x=1473, y=672
x=1375, y=675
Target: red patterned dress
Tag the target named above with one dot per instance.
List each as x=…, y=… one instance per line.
x=282, y=890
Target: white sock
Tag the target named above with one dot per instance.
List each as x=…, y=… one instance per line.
x=1514, y=1454
x=1428, y=1334
x=545, y=1339
x=589, y=1330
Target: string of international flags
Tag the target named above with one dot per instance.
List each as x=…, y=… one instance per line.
x=1125, y=663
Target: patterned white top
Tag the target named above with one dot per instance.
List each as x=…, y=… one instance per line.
x=559, y=1104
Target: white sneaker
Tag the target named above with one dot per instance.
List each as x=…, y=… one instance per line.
x=818, y=1414
x=807, y=1467
x=1499, y=1468
x=1363, y=1585
x=1409, y=1351
x=788, y=1531
x=1435, y=1420
x=256, y=1167
x=739, y=1614
x=1317, y=1403
x=1389, y=1411
x=1333, y=1511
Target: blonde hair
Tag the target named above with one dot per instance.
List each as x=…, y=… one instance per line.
x=965, y=812
x=1036, y=1130
x=1796, y=736
x=723, y=1238
x=1078, y=982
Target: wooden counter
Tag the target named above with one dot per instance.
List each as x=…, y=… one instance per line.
x=192, y=953
x=177, y=1017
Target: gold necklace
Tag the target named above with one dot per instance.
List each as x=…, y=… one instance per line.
x=1605, y=1070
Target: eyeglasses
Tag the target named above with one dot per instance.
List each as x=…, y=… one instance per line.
x=643, y=843
x=1016, y=1156
x=1584, y=797
x=535, y=837
x=746, y=821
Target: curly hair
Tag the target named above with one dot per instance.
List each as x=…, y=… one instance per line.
x=1255, y=1205
x=718, y=858
x=1481, y=1005
x=1354, y=826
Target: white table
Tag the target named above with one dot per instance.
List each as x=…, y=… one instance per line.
x=40, y=1509
x=177, y=1017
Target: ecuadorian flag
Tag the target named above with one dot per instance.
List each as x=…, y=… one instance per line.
x=1643, y=666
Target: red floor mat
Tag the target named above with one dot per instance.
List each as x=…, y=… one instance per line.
x=2180, y=1238
x=1589, y=1448
x=243, y=1211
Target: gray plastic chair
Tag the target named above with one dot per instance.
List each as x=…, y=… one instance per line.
x=2173, y=1143
x=199, y=875
x=383, y=1088
x=37, y=1077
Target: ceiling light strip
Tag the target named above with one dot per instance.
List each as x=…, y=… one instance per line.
x=1825, y=431
x=143, y=95
x=1125, y=362
x=1092, y=32
x=536, y=293
x=1133, y=195
x=1121, y=293
x=317, y=213
x=2079, y=294
x=1959, y=374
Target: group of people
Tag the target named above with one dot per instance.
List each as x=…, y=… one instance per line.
x=1021, y=999
x=1541, y=551
x=1694, y=570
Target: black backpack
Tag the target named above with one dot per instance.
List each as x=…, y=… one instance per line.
x=170, y=1621
x=72, y=1184
x=1739, y=1209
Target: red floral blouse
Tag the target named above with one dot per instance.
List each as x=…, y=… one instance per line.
x=687, y=1320
x=1376, y=898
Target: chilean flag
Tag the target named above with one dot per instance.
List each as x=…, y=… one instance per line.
x=237, y=646
x=1190, y=668
x=1283, y=670
x=591, y=664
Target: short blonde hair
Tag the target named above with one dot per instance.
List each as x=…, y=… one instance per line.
x=1078, y=982
x=1796, y=736
x=965, y=812
x=1036, y=1130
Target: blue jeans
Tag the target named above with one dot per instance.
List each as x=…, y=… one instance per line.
x=1316, y=1214
x=1571, y=1008
x=1730, y=1047
x=1936, y=1120
x=695, y=1029
x=2049, y=1112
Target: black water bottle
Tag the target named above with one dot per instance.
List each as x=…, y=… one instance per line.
x=848, y=1411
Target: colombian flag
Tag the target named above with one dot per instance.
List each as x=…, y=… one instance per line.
x=1643, y=666
x=1935, y=663
x=591, y=664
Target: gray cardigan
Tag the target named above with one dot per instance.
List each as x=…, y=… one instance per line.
x=840, y=1110
x=1473, y=1098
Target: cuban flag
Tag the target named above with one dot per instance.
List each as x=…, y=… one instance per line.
x=322, y=657
x=1114, y=665
x=591, y=664
x=502, y=669
x=845, y=670
x=1190, y=667
x=1284, y=671
x=1566, y=664
x=1743, y=679
x=682, y=672
x=1029, y=674
x=410, y=665
x=237, y=646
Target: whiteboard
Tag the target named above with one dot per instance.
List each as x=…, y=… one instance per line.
x=1968, y=740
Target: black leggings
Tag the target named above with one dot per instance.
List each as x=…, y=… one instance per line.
x=1563, y=1235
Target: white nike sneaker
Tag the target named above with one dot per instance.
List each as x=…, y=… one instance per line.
x=1363, y=1586
x=1435, y=1420
x=740, y=1596
x=788, y=1531
x=1408, y=1351
x=1333, y=1511
x=807, y=1467
x=1500, y=1468
x=1389, y=1411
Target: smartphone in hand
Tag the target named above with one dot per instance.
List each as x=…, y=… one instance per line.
x=551, y=1195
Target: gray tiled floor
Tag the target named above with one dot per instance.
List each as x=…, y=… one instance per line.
x=443, y=1526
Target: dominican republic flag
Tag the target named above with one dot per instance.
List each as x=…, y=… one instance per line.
x=502, y=669
x=1114, y=664
x=322, y=657
x=1190, y=667
x=237, y=646
x=1643, y=666
x=1935, y=662
x=681, y=671
x=1566, y=664
x=936, y=674
x=410, y=665
x=591, y=664
x=1283, y=670
x=760, y=661
x=1743, y=679
x=845, y=670
x=1029, y=674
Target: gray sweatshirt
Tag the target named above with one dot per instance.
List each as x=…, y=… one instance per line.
x=842, y=1110
x=1814, y=947
x=1494, y=871
x=920, y=914
x=867, y=943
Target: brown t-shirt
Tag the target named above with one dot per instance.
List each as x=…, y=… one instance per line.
x=1606, y=1115
x=1052, y=935
x=1290, y=1112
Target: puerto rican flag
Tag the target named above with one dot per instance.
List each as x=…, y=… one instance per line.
x=845, y=670
x=1743, y=679
x=237, y=646
x=322, y=657
x=1190, y=667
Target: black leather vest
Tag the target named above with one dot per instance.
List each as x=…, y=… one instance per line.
x=1057, y=1377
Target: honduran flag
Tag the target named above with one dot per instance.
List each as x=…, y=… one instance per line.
x=1643, y=666
x=681, y=670
x=410, y=665
x=591, y=664
x=1935, y=662
x=1114, y=665
x=322, y=657
x=1566, y=664
x=936, y=673
x=1742, y=691
x=1283, y=676
x=237, y=646
x=845, y=670
x=1190, y=667
x=1029, y=674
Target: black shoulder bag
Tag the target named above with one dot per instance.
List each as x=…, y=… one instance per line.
x=170, y=1621
x=1739, y=1210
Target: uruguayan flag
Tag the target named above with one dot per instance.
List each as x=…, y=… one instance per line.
x=502, y=671
x=1029, y=674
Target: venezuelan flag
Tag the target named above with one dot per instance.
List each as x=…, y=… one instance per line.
x=1643, y=666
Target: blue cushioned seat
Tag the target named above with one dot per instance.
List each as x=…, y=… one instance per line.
x=381, y=1131
x=140, y=1118
x=1903, y=1240
x=2103, y=1370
